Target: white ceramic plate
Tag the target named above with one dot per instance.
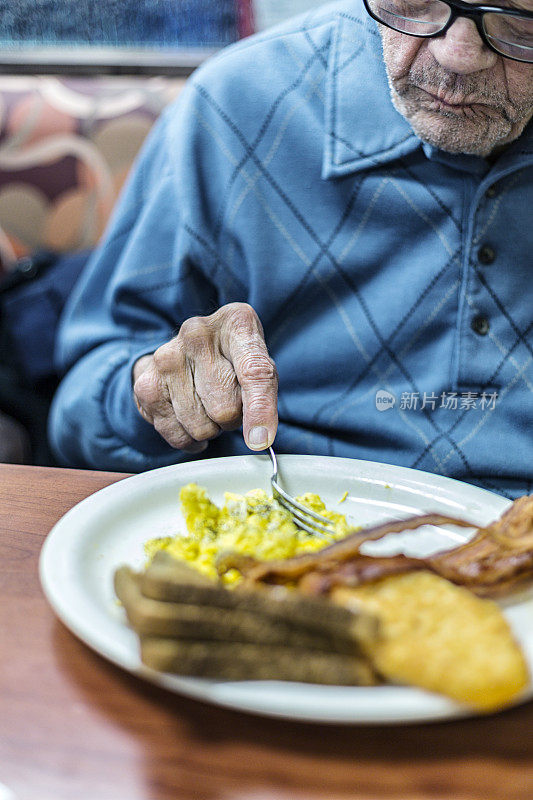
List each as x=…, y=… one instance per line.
x=109, y=528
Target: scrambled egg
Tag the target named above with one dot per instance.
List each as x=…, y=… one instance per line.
x=254, y=524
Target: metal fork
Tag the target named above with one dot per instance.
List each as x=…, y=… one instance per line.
x=303, y=517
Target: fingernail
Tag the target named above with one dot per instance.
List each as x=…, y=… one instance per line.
x=258, y=438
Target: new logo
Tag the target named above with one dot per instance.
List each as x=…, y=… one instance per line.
x=385, y=400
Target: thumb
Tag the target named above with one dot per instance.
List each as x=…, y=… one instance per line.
x=258, y=379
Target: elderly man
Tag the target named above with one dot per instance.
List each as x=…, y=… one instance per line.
x=344, y=202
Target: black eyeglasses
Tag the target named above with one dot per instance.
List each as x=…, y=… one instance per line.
x=507, y=31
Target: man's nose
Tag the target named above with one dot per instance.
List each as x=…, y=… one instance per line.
x=462, y=50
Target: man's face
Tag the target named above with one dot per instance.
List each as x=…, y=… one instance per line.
x=456, y=93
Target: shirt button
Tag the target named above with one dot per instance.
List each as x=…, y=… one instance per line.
x=491, y=192
x=480, y=325
x=486, y=255
x=27, y=267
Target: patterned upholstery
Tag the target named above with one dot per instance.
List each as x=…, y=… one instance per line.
x=66, y=146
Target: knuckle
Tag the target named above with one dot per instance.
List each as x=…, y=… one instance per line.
x=225, y=413
x=222, y=384
x=241, y=316
x=204, y=430
x=258, y=367
x=222, y=399
x=173, y=433
x=260, y=407
x=194, y=328
x=167, y=357
x=195, y=338
x=147, y=389
x=244, y=310
x=231, y=423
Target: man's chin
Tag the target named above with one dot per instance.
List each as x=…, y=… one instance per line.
x=456, y=131
x=453, y=135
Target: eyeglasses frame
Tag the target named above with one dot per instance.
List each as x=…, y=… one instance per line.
x=476, y=13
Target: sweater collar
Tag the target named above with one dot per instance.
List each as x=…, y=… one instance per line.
x=363, y=129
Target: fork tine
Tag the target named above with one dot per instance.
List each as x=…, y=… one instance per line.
x=300, y=511
x=302, y=521
x=304, y=517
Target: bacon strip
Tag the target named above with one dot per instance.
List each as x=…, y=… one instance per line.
x=497, y=558
x=286, y=570
x=514, y=530
x=494, y=561
x=360, y=569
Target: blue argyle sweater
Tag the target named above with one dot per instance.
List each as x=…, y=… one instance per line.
x=393, y=280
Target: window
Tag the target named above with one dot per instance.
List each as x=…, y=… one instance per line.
x=121, y=36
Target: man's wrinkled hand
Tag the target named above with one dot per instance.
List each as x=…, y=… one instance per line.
x=215, y=375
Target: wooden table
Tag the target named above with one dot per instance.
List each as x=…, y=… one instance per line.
x=74, y=727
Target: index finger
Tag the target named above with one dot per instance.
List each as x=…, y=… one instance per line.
x=258, y=379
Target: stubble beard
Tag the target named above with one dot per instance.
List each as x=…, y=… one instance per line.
x=490, y=119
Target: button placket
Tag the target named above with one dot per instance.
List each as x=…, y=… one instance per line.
x=476, y=321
